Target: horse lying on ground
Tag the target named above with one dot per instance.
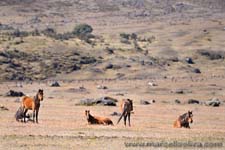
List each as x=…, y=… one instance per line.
x=33, y=104
x=126, y=107
x=97, y=120
x=184, y=120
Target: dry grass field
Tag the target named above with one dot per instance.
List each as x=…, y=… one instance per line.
x=62, y=124
x=178, y=45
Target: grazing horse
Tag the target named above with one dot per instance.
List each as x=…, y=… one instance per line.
x=97, y=120
x=33, y=104
x=184, y=120
x=126, y=107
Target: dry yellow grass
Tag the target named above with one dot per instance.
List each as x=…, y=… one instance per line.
x=62, y=124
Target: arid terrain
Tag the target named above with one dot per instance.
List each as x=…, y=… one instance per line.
x=169, y=51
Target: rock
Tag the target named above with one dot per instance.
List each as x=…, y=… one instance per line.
x=14, y=93
x=193, y=101
x=109, y=66
x=115, y=114
x=152, y=84
x=177, y=101
x=3, y=108
x=196, y=70
x=174, y=59
x=78, y=90
x=109, y=50
x=189, y=60
x=81, y=88
x=55, y=84
x=146, y=102
x=179, y=91
x=215, y=102
x=106, y=101
x=101, y=87
x=87, y=102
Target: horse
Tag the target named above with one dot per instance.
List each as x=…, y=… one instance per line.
x=126, y=107
x=97, y=120
x=33, y=104
x=184, y=120
x=20, y=114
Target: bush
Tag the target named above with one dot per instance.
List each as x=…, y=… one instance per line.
x=82, y=29
x=125, y=41
x=212, y=55
x=49, y=32
x=18, y=33
x=133, y=36
x=125, y=36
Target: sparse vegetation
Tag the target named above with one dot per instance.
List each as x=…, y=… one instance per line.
x=26, y=66
x=137, y=49
x=82, y=29
x=212, y=55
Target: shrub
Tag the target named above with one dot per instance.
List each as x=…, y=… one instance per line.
x=133, y=36
x=49, y=32
x=82, y=29
x=125, y=36
x=18, y=33
x=212, y=55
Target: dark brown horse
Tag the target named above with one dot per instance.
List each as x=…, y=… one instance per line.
x=33, y=104
x=97, y=120
x=184, y=120
x=126, y=107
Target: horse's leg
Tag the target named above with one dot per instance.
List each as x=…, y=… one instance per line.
x=125, y=119
x=24, y=115
x=129, y=118
x=188, y=126
x=33, y=115
x=37, y=110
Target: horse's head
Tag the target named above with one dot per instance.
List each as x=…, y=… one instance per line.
x=40, y=94
x=87, y=113
x=190, y=116
x=131, y=104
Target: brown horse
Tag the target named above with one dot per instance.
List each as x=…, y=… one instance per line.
x=33, y=104
x=184, y=120
x=126, y=107
x=97, y=120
